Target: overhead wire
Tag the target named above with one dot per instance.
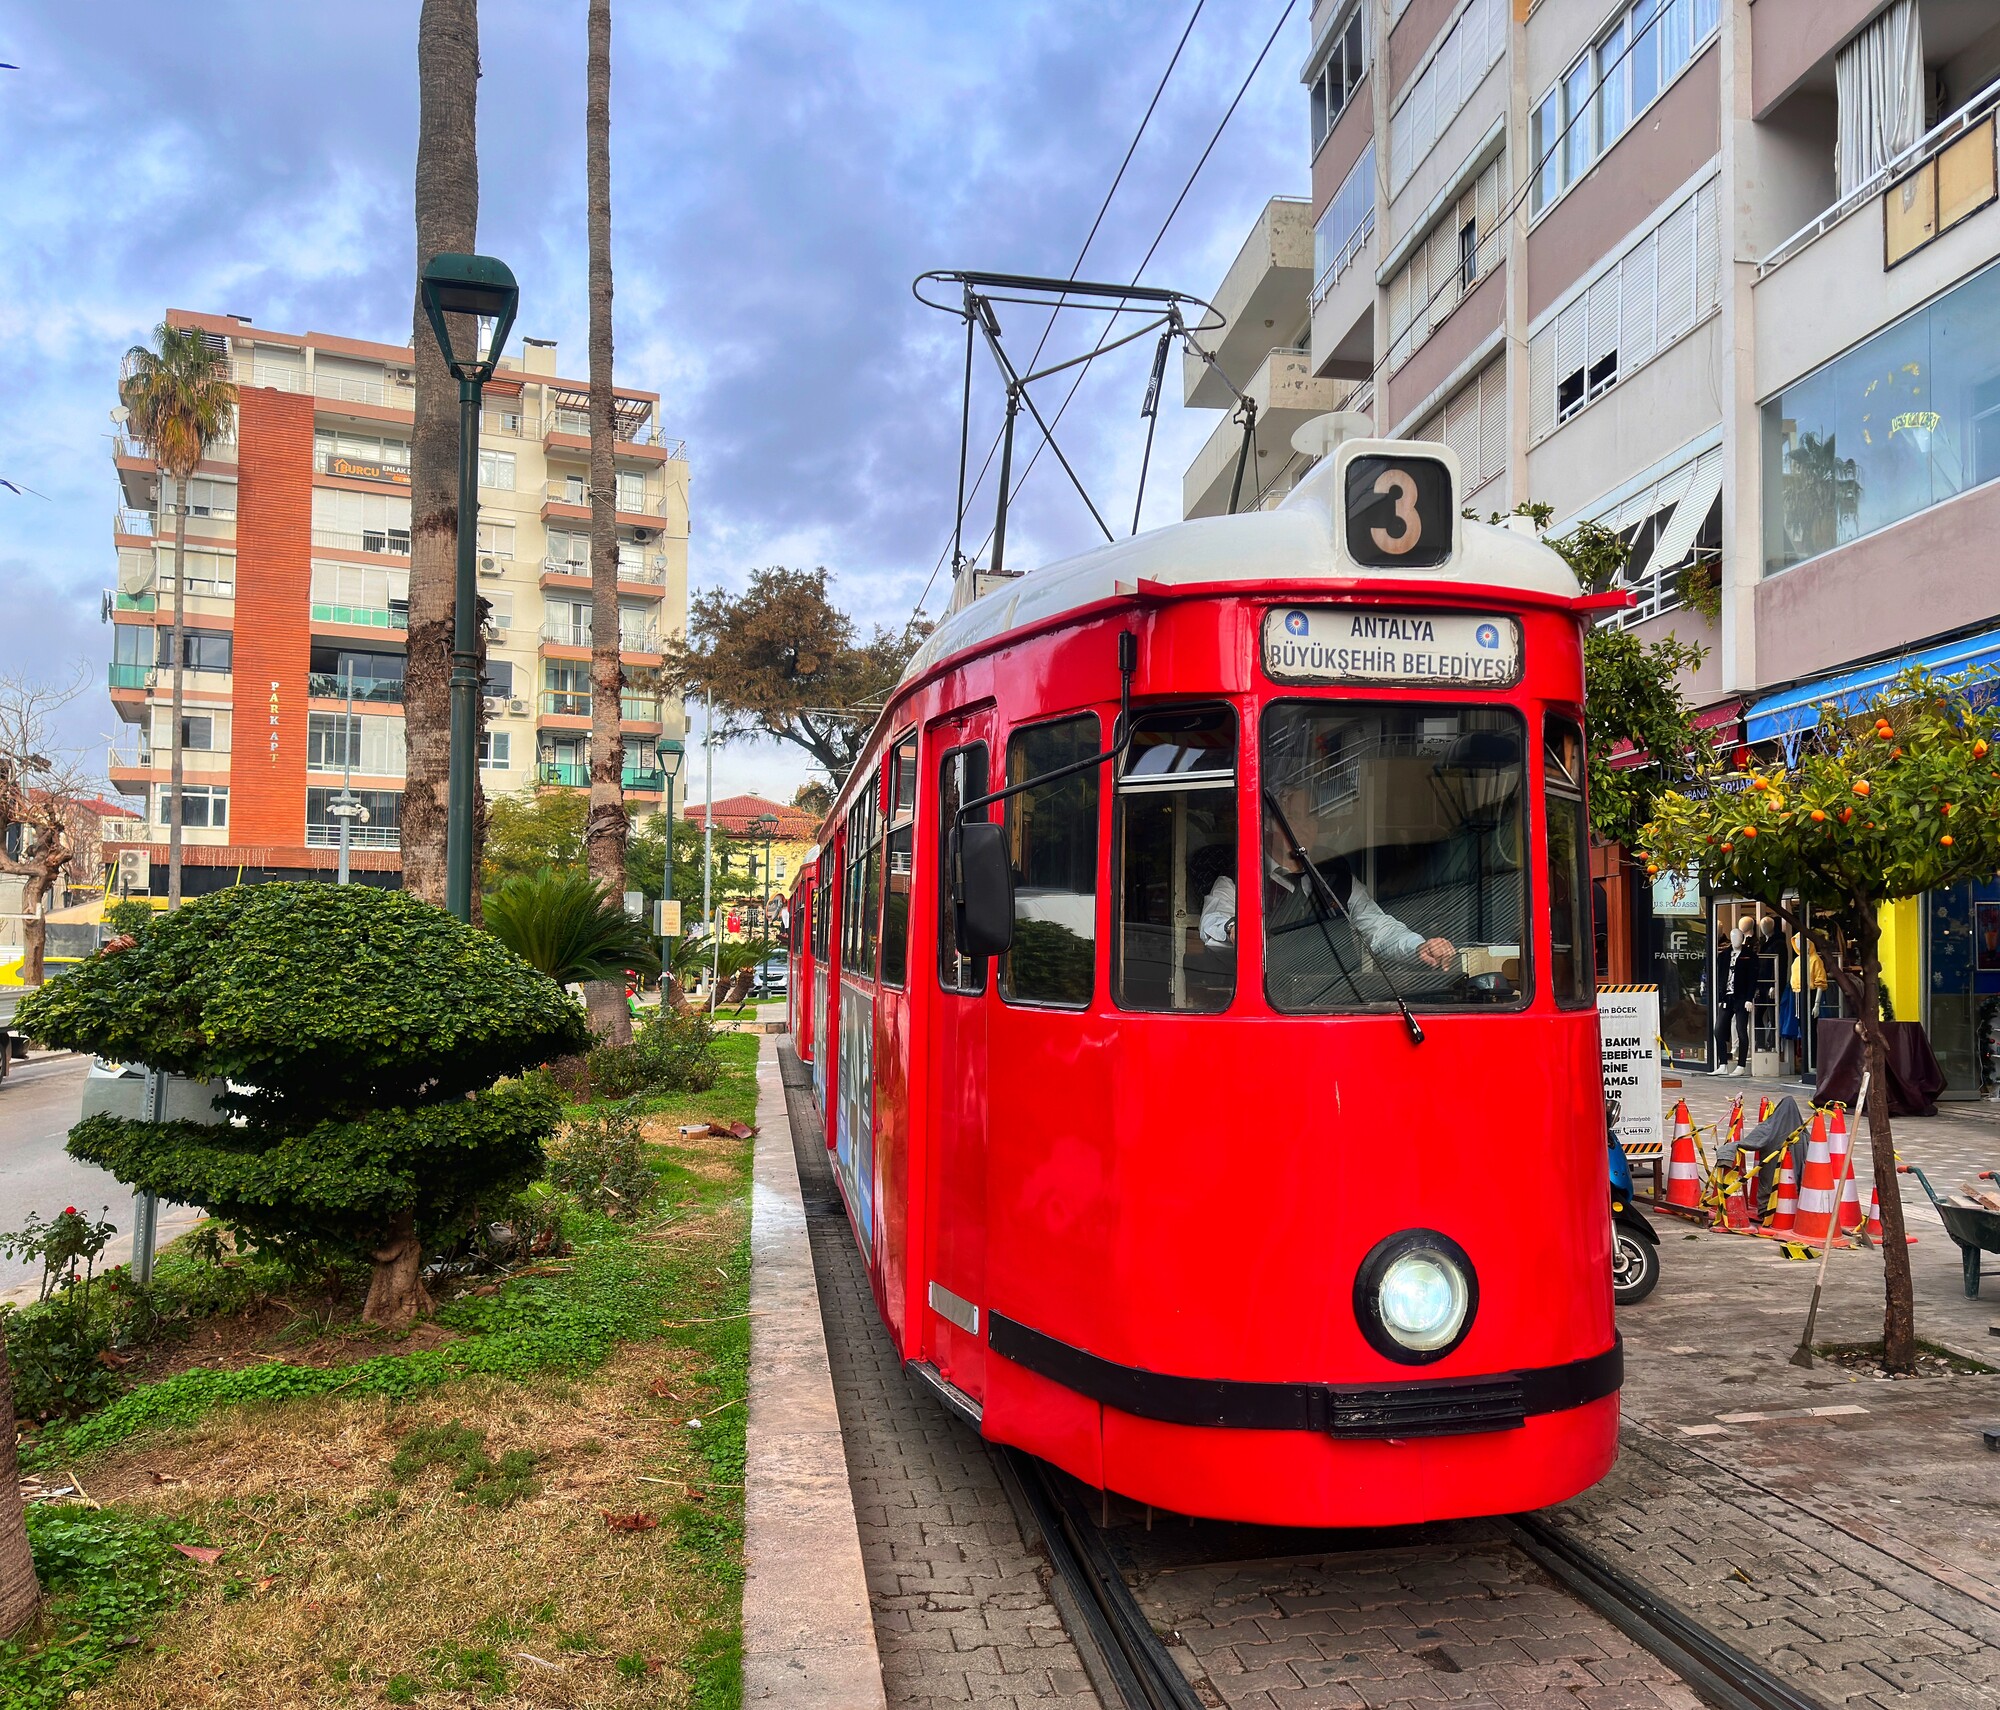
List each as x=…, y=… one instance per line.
x=1076, y=267
x=1159, y=237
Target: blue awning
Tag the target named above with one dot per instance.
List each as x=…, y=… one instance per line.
x=1797, y=708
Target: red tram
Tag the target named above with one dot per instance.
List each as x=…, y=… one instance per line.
x=1196, y=976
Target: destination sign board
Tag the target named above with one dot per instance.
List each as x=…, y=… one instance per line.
x=1368, y=644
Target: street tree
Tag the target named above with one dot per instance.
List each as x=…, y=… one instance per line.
x=567, y=926
x=362, y=1032
x=814, y=796
x=1884, y=799
x=782, y=660
x=179, y=400
x=447, y=220
x=43, y=791
x=525, y=833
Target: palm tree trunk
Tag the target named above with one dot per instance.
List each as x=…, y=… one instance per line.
x=447, y=207
x=606, y=828
x=177, y=768
x=20, y=1594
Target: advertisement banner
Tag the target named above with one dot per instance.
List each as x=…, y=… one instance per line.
x=1628, y=1025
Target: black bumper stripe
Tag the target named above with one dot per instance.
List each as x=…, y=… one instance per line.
x=1439, y=1407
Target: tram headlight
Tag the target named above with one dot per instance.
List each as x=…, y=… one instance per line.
x=1415, y=1296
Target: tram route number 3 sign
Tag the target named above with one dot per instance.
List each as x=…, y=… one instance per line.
x=1399, y=512
x=1369, y=644
x=1628, y=1028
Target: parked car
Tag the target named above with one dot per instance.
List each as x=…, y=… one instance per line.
x=773, y=977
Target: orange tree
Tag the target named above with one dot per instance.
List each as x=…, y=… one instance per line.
x=1879, y=802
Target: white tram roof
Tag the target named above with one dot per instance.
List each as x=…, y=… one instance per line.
x=1299, y=540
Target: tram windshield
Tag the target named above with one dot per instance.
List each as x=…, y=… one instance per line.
x=1413, y=820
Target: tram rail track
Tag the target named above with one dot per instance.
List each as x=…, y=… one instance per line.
x=1140, y=1668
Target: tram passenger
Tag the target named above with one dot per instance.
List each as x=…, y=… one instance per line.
x=1288, y=898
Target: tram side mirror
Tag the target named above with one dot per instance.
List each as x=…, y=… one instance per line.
x=983, y=885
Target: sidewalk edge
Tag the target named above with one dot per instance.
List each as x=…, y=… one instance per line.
x=808, y=1628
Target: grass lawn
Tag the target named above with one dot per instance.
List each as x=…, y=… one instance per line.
x=535, y=1500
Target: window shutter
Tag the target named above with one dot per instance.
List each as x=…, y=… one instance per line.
x=1487, y=212
x=1676, y=276
x=1493, y=418
x=1636, y=307
x=1572, y=334
x=1541, y=383
x=1708, y=257
x=1604, y=317
x=1461, y=430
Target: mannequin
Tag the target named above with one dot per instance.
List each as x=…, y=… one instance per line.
x=1736, y=981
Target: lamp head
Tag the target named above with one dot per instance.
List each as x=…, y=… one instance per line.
x=671, y=751
x=469, y=301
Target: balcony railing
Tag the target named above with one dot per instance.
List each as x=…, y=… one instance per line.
x=643, y=778
x=1933, y=142
x=651, y=504
x=334, y=686
x=130, y=676
x=1345, y=257
x=124, y=520
x=129, y=759
x=132, y=602
x=573, y=774
x=575, y=703
x=362, y=617
x=650, y=568
x=566, y=634
x=391, y=542
x=358, y=837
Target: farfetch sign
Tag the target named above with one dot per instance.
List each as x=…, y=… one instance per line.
x=1366, y=644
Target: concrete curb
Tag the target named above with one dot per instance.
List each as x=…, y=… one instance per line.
x=808, y=1629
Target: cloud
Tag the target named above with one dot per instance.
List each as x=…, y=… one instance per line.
x=780, y=172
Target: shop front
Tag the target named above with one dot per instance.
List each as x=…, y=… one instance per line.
x=1961, y=984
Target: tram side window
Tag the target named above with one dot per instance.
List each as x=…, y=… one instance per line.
x=961, y=776
x=857, y=934
x=871, y=887
x=900, y=846
x=1413, y=819
x=1175, y=836
x=822, y=913
x=1052, y=842
x=1572, y=957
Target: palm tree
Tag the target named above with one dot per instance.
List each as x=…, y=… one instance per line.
x=178, y=399
x=1822, y=494
x=447, y=201
x=606, y=829
x=20, y=1595
x=566, y=924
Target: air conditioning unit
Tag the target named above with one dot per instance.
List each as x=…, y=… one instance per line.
x=492, y=703
x=489, y=566
x=518, y=707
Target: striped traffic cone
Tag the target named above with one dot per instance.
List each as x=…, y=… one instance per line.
x=1763, y=1108
x=1874, y=1230
x=1683, y=1172
x=1816, y=1189
x=1787, y=1213
x=1839, y=1145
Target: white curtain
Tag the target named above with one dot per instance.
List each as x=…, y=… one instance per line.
x=1878, y=80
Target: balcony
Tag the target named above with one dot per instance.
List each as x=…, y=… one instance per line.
x=388, y=543
x=572, y=775
x=358, y=837
x=117, y=602
x=131, y=676
x=558, y=632
x=125, y=520
x=1286, y=396
x=1343, y=311
x=1266, y=291
x=396, y=617
x=330, y=686
x=648, y=571
x=575, y=703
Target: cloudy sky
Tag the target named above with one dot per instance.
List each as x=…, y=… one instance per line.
x=780, y=172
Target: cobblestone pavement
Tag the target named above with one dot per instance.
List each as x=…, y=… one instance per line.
x=962, y=1614
x=1432, y=1616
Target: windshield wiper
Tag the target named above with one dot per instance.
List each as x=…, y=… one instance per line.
x=1329, y=897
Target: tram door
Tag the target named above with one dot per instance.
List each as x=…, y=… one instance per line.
x=958, y=756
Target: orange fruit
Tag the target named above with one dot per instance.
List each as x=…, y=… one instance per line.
x=1946, y=809
x=1845, y=815
x=1979, y=750
x=1946, y=840
x=1749, y=831
x=1760, y=783
x=1818, y=815
x=1862, y=786
x=1727, y=847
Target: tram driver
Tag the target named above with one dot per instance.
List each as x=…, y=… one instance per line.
x=1289, y=899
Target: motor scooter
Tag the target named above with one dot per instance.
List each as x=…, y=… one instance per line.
x=1635, y=1244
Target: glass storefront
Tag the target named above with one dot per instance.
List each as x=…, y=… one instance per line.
x=1905, y=420
x=1962, y=984
x=1677, y=935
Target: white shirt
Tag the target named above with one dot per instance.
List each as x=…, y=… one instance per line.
x=1382, y=933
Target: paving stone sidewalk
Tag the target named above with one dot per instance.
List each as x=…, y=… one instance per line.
x=962, y=1612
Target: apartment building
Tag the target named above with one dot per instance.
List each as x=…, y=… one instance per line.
x=297, y=599
x=1717, y=274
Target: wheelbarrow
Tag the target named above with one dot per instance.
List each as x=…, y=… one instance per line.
x=1975, y=1229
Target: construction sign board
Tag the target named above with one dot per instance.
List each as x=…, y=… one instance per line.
x=1628, y=1025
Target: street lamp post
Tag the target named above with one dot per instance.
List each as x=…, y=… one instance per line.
x=671, y=751
x=470, y=302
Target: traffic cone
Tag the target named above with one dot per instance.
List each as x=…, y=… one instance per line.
x=1683, y=1173
x=1816, y=1189
x=1851, y=1215
x=1837, y=1139
x=1733, y=1138
x=1873, y=1233
x=1763, y=1108
x=1786, y=1215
